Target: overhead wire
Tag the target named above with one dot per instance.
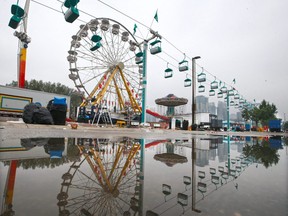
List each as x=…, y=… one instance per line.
x=148, y=28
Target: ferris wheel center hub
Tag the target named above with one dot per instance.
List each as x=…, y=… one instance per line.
x=121, y=65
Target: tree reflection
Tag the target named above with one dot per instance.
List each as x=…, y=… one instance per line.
x=262, y=152
x=285, y=141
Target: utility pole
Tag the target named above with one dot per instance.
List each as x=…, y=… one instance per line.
x=24, y=39
x=144, y=81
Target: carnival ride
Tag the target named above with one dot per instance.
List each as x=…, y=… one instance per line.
x=106, y=65
x=102, y=65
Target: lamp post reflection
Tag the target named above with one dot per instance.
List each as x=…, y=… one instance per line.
x=194, y=190
x=141, y=177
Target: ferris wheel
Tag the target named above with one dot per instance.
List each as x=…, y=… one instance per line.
x=105, y=64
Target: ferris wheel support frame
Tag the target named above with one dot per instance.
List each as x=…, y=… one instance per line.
x=101, y=94
x=134, y=104
x=84, y=103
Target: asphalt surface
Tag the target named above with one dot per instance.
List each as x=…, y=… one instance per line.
x=18, y=129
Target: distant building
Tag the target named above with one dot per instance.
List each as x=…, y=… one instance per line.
x=239, y=116
x=221, y=110
x=202, y=104
x=212, y=108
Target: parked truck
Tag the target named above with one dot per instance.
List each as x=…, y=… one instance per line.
x=13, y=100
x=208, y=121
x=275, y=125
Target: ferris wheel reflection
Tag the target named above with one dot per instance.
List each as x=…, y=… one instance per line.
x=104, y=181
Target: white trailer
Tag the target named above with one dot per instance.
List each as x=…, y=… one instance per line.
x=203, y=118
x=13, y=100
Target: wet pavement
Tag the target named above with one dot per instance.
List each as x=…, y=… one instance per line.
x=56, y=170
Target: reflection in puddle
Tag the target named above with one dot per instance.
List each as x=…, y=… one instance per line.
x=108, y=183
x=84, y=176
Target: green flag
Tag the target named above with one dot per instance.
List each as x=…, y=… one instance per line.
x=135, y=27
x=156, y=16
x=234, y=81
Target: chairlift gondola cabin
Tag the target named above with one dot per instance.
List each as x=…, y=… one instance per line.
x=223, y=89
x=18, y=13
x=202, y=187
x=182, y=199
x=201, y=89
x=212, y=92
x=214, y=85
x=236, y=96
x=72, y=13
x=168, y=73
x=231, y=92
x=201, y=77
x=187, y=82
x=220, y=94
x=155, y=47
x=183, y=66
x=232, y=103
x=17, y=10
x=166, y=189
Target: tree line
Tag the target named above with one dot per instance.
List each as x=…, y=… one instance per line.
x=56, y=88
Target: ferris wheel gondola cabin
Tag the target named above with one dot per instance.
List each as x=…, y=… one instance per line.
x=96, y=39
x=139, y=58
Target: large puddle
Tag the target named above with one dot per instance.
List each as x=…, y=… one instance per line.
x=236, y=176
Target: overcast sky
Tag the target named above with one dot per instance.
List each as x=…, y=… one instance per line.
x=245, y=40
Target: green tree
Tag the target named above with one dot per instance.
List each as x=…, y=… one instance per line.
x=246, y=114
x=285, y=126
x=263, y=113
x=263, y=153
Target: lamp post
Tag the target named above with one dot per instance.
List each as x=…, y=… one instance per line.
x=193, y=139
x=194, y=88
x=144, y=83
